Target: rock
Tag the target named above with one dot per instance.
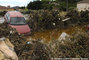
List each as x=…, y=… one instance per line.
x=7, y=50
x=9, y=43
x=2, y=57
x=63, y=36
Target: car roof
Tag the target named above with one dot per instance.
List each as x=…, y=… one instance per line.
x=15, y=14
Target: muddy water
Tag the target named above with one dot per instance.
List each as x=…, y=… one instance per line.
x=49, y=35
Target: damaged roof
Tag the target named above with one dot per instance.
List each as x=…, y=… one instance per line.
x=84, y=1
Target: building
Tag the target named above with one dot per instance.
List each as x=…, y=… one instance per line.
x=44, y=0
x=83, y=5
x=3, y=8
x=36, y=0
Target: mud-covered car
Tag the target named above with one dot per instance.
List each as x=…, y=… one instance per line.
x=16, y=20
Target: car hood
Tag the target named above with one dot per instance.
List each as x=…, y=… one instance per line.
x=21, y=28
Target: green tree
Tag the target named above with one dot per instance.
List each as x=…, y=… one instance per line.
x=48, y=0
x=36, y=5
x=70, y=1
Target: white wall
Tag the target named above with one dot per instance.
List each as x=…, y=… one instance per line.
x=82, y=6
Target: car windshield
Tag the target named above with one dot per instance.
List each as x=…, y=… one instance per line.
x=18, y=21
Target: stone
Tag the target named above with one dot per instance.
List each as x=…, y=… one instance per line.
x=7, y=50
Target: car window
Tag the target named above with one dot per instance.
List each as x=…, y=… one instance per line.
x=17, y=21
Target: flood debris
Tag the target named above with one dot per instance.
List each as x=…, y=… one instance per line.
x=36, y=50
x=63, y=36
x=40, y=51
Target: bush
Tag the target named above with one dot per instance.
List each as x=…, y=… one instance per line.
x=37, y=5
x=26, y=12
x=77, y=18
x=76, y=46
x=2, y=13
x=40, y=51
x=84, y=15
x=44, y=19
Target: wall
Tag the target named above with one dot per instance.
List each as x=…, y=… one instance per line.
x=82, y=6
x=6, y=9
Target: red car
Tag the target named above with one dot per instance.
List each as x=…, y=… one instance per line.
x=16, y=20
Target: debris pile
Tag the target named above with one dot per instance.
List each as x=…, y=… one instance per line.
x=44, y=19
x=17, y=40
x=24, y=48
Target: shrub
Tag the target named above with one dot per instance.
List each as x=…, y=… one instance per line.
x=25, y=12
x=77, y=18
x=84, y=15
x=35, y=5
x=40, y=51
x=2, y=13
x=44, y=19
x=75, y=47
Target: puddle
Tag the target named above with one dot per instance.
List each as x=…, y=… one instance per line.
x=55, y=34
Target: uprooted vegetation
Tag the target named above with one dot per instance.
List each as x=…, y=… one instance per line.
x=25, y=49
x=75, y=46
x=45, y=19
